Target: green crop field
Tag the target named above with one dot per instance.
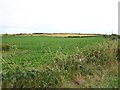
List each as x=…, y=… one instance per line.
x=42, y=61
x=41, y=50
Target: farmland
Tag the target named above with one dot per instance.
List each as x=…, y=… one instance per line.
x=59, y=62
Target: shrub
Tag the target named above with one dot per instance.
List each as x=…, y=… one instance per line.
x=74, y=36
x=5, y=47
x=31, y=79
x=118, y=36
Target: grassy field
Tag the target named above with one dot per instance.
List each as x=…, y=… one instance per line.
x=41, y=61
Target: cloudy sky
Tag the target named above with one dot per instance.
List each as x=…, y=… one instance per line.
x=59, y=16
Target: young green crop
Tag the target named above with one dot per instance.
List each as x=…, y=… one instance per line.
x=33, y=51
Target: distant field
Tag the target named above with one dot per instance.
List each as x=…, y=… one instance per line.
x=57, y=34
x=56, y=62
x=64, y=35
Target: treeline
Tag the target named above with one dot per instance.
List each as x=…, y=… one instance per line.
x=112, y=36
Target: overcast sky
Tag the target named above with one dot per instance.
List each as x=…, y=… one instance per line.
x=59, y=16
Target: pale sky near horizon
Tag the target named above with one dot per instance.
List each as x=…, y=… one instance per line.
x=59, y=16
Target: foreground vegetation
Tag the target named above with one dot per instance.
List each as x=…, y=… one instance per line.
x=33, y=62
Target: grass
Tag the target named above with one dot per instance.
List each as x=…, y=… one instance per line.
x=59, y=62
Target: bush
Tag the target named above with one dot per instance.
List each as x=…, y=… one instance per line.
x=118, y=36
x=74, y=36
x=5, y=47
x=31, y=79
